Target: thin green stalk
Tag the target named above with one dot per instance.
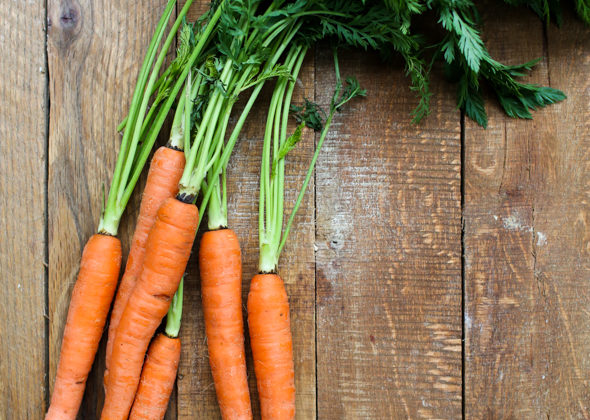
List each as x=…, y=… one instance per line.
x=174, y=317
x=193, y=171
x=227, y=151
x=306, y=181
x=217, y=209
x=265, y=190
x=152, y=80
x=162, y=114
x=177, y=129
x=109, y=222
x=270, y=181
x=284, y=125
x=188, y=109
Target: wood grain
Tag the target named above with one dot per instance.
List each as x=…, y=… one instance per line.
x=196, y=392
x=380, y=298
x=388, y=261
x=95, y=49
x=526, y=237
x=23, y=143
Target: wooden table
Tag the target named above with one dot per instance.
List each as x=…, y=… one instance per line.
x=435, y=271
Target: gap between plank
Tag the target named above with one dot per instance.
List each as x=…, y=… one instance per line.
x=46, y=209
x=315, y=239
x=463, y=288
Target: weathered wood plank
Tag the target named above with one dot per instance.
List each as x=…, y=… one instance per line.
x=23, y=134
x=526, y=237
x=196, y=393
x=388, y=261
x=95, y=50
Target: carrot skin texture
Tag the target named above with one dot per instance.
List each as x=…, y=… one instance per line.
x=220, y=265
x=167, y=252
x=272, y=346
x=157, y=379
x=87, y=314
x=162, y=183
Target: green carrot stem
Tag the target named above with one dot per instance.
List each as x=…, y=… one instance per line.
x=271, y=177
x=109, y=221
x=122, y=124
x=306, y=181
x=161, y=117
x=284, y=125
x=174, y=317
x=144, y=103
x=194, y=173
x=227, y=150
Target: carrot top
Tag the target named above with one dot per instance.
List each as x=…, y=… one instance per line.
x=141, y=127
x=277, y=145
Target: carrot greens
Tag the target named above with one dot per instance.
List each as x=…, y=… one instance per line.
x=141, y=129
x=465, y=58
x=276, y=146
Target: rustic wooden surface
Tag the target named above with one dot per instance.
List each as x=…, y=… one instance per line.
x=388, y=265
x=23, y=215
x=527, y=299
x=383, y=282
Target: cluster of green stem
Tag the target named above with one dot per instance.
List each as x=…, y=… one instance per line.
x=272, y=237
x=141, y=126
x=208, y=153
x=272, y=183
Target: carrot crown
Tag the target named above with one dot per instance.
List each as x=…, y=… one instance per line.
x=245, y=59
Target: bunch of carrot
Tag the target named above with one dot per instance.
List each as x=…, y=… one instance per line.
x=236, y=47
x=195, y=157
x=100, y=263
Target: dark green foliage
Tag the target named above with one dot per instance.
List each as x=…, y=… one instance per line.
x=310, y=114
x=467, y=61
x=550, y=10
x=386, y=26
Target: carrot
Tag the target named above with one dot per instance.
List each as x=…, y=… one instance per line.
x=272, y=346
x=268, y=306
x=157, y=379
x=162, y=183
x=160, y=367
x=167, y=251
x=91, y=299
x=221, y=284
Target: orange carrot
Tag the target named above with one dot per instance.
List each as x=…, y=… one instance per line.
x=157, y=379
x=162, y=183
x=89, y=307
x=272, y=346
x=167, y=251
x=220, y=265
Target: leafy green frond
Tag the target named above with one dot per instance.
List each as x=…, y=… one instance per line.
x=286, y=147
x=529, y=98
x=352, y=89
x=583, y=10
x=470, y=99
x=466, y=36
x=310, y=114
x=255, y=78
